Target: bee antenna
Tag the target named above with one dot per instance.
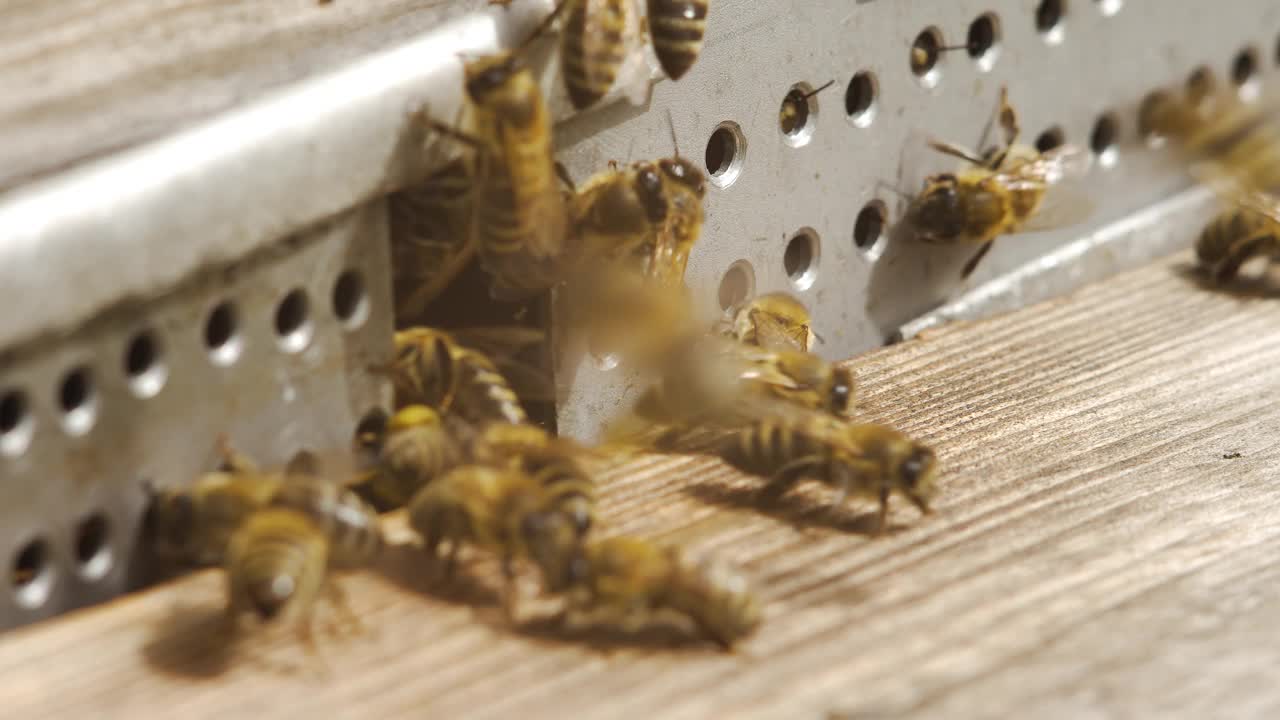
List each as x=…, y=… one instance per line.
x=886, y=185
x=815, y=92
x=542, y=26
x=671, y=124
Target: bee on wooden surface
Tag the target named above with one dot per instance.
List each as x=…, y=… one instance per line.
x=275, y=566
x=432, y=368
x=773, y=321
x=860, y=459
x=552, y=462
x=506, y=512
x=520, y=218
x=417, y=447
x=1005, y=191
x=1249, y=229
x=194, y=524
x=716, y=384
x=348, y=524
x=676, y=28
x=628, y=580
x=431, y=237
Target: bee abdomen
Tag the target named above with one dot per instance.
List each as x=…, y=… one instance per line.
x=716, y=596
x=677, y=27
x=348, y=523
x=761, y=448
x=277, y=558
x=592, y=49
x=493, y=398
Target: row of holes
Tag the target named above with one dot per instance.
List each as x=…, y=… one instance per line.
x=32, y=574
x=143, y=361
x=724, y=161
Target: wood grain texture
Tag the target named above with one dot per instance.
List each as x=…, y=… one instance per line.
x=83, y=78
x=1104, y=546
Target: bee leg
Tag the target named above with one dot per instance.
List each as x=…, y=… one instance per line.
x=562, y=172
x=972, y=264
x=510, y=590
x=341, y=604
x=1239, y=253
x=882, y=516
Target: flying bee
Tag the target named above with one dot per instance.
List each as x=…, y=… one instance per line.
x=276, y=565
x=630, y=580
x=432, y=368
x=1220, y=135
x=795, y=108
x=773, y=321
x=676, y=28
x=430, y=236
x=1247, y=230
x=417, y=447
x=1002, y=192
x=862, y=459
x=506, y=512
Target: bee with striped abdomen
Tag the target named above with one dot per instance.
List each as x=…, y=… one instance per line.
x=1011, y=189
x=276, y=566
x=431, y=237
x=506, y=512
x=628, y=580
x=1247, y=230
x=860, y=459
x=593, y=47
x=416, y=447
x=519, y=218
x=431, y=368
x=676, y=28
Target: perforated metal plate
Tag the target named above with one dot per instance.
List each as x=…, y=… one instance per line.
x=257, y=203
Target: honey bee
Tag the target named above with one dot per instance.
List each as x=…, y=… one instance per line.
x=729, y=387
x=194, y=524
x=520, y=219
x=432, y=368
x=1222, y=136
x=504, y=511
x=593, y=47
x=676, y=28
x=641, y=321
x=1005, y=191
x=417, y=447
x=1248, y=229
x=650, y=213
x=276, y=566
x=551, y=461
x=773, y=321
x=631, y=579
x=430, y=237
x=862, y=459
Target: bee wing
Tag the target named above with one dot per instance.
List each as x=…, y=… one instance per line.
x=773, y=333
x=1056, y=172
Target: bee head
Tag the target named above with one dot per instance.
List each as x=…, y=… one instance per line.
x=682, y=172
x=916, y=476
x=489, y=75
x=938, y=212
x=648, y=186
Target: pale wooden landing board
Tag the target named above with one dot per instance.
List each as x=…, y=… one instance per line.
x=1106, y=546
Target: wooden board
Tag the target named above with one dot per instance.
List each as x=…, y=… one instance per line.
x=1105, y=546
x=83, y=78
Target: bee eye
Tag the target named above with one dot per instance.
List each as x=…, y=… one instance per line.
x=649, y=181
x=649, y=188
x=916, y=465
